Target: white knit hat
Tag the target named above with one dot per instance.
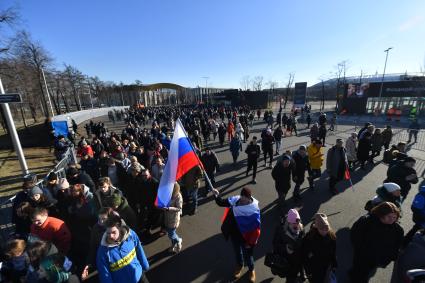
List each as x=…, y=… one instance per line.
x=391, y=187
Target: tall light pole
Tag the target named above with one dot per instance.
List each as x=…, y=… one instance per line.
x=47, y=91
x=88, y=84
x=383, y=75
x=206, y=87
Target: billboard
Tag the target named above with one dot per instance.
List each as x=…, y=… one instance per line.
x=300, y=94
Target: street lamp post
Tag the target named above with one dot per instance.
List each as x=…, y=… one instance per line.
x=206, y=88
x=383, y=75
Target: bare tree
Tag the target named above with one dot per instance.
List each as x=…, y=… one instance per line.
x=340, y=75
x=245, y=82
x=257, y=83
x=74, y=79
x=32, y=53
x=289, y=84
x=8, y=18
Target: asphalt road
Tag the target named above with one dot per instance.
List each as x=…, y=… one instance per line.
x=207, y=257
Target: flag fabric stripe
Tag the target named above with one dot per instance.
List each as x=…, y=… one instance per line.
x=248, y=223
x=184, y=146
x=186, y=162
x=181, y=158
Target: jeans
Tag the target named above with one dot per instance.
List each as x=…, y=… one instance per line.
x=268, y=151
x=172, y=234
x=278, y=143
x=244, y=255
x=192, y=199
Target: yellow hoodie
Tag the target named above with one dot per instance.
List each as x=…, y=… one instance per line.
x=315, y=156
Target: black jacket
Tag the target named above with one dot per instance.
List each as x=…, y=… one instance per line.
x=301, y=164
x=229, y=227
x=375, y=242
x=398, y=173
x=253, y=151
x=365, y=145
x=282, y=175
x=319, y=253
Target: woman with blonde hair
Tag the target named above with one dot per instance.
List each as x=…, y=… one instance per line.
x=172, y=215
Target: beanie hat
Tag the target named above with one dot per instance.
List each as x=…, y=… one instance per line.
x=293, y=216
x=52, y=176
x=62, y=184
x=84, y=143
x=391, y=187
x=116, y=200
x=286, y=157
x=303, y=147
x=35, y=191
x=321, y=221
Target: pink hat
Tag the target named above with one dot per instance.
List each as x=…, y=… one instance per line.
x=62, y=184
x=293, y=216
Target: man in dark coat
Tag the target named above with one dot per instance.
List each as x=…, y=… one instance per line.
x=75, y=176
x=403, y=174
x=364, y=148
x=146, y=197
x=211, y=164
x=253, y=152
x=336, y=163
x=282, y=173
x=267, y=141
x=301, y=166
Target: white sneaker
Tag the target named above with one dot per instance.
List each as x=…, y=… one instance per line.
x=179, y=245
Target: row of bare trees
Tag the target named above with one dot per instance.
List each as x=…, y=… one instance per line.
x=28, y=68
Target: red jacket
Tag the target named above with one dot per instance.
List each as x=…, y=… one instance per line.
x=54, y=230
x=83, y=150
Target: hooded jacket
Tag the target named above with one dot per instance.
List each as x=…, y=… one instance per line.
x=105, y=199
x=383, y=195
x=124, y=261
x=315, y=156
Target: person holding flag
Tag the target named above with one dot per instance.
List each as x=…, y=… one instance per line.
x=181, y=159
x=336, y=165
x=241, y=223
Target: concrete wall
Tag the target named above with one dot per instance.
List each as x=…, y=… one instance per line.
x=81, y=116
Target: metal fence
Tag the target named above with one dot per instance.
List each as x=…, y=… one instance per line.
x=6, y=227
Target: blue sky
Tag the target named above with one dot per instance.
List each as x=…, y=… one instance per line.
x=181, y=41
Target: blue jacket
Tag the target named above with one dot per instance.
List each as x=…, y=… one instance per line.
x=122, y=262
x=418, y=208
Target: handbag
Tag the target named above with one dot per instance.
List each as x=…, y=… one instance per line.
x=278, y=264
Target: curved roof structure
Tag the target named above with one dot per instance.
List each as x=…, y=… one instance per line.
x=161, y=85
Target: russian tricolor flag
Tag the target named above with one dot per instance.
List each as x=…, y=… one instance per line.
x=247, y=218
x=181, y=159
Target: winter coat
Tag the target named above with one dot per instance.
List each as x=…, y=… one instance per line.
x=398, y=173
x=91, y=167
x=319, y=253
x=127, y=213
x=289, y=245
x=314, y=132
x=102, y=199
x=124, y=261
x=387, y=136
x=412, y=257
x=253, y=151
x=95, y=238
x=351, y=149
x=282, y=176
x=210, y=162
x=301, y=165
x=173, y=213
x=336, y=162
x=192, y=179
x=267, y=142
x=418, y=208
x=377, y=142
x=55, y=231
x=375, y=242
x=235, y=146
x=147, y=192
x=364, y=148
x=315, y=156
x=278, y=133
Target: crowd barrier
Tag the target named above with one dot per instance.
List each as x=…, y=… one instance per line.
x=6, y=227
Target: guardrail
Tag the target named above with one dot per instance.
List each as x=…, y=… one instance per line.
x=6, y=226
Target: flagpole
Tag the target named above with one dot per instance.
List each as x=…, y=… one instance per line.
x=197, y=157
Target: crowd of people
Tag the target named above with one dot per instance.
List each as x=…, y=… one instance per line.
x=90, y=225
